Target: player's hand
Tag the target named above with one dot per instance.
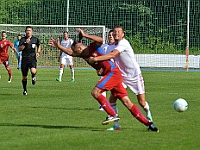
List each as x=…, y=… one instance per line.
x=100, y=72
x=37, y=54
x=81, y=32
x=53, y=42
x=28, y=40
x=91, y=60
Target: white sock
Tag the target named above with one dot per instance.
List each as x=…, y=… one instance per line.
x=72, y=73
x=61, y=72
x=146, y=107
x=114, y=106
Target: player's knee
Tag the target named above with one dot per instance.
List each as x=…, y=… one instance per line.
x=95, y=93
x=24, y=78
x=33, y=71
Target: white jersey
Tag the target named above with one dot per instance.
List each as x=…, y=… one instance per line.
x=126, y=59
x=67, y=44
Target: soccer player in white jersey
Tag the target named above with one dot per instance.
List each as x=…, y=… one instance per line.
x=104, y=47
x=123, y=55
x=65, y=58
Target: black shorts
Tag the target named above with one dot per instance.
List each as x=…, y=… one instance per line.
x=28, y=63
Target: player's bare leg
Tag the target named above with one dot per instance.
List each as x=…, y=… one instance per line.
x=143, y=103
x=6, y=64
x=103, y=101
x=33, y=73
x=72, y=72
x=9, y=74
x=62, y=66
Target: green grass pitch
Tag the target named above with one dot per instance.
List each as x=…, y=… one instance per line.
x=64, y=116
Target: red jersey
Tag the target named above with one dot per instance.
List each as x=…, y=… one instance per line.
x=4, y=44
x=94, y=51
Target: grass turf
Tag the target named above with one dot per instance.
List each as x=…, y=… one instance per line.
x=63, y=115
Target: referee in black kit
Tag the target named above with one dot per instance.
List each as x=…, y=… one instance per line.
x=27, y=45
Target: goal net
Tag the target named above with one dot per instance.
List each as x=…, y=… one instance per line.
x=49, y=55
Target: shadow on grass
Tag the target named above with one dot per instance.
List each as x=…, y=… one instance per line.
x=51, y=126
x=64, y=108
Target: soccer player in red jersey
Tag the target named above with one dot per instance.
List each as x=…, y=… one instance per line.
x=111, y=81
x=4, y=57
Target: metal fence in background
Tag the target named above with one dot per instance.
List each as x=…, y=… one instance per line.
x=152, y=27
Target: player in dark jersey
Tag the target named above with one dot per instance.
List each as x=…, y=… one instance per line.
x=27, y=45
x=111, y=81
x=4, y=58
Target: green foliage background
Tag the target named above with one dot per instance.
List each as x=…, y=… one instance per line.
x=156, y=27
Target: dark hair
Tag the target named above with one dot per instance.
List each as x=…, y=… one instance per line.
x=28, y=27
x=75, y=42
x=18, y=35
x=119, y=26
x=110, y=31
x=3, y=32
x=65, y=32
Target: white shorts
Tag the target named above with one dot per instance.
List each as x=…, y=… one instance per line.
x=136, y=84
x=66, y=60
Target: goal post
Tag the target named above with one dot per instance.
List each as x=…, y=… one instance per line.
x=49, y=54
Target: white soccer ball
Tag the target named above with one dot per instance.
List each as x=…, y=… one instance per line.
x=180, y=105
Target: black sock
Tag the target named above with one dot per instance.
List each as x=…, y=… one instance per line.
x=24, y=83
x=33, y=75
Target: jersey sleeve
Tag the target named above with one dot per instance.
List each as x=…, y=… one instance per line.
x=10, y=44
x=38, y=42
x=121, y=46
x=21, y=41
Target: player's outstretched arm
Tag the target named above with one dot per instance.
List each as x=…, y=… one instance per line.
x=95, y=38
x=14, y=49
x=104, y=57
x=56, y=44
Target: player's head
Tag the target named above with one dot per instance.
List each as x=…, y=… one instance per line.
x=110, y=37
x=77, y=47
x=3, y=34
x=65, y=35
x=19, y=37
x=118, y=33
x=29, y=31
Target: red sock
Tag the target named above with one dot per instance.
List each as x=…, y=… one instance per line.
x=9, y=72
x=106, y=105
x=135, y=111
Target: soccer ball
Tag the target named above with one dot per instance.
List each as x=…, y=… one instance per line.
x=180, y=105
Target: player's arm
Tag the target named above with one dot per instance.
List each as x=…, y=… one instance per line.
x=13, y=48
x=38, y=51
x=23, y=43
x=95, y=38
x=108, y=56
x=56, y=44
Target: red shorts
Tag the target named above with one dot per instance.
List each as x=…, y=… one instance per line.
x=112, y=82
x=4, y=60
